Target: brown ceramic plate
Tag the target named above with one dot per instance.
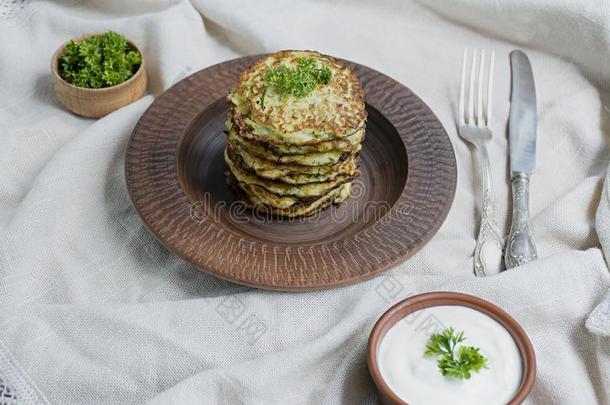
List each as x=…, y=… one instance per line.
x=427, y=300
x=175, y=176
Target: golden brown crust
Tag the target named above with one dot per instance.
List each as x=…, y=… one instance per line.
x=304, y=161
x=339, y=106
x=283, y=189
x=241, y=127
x=291, y=173
x=302, y=208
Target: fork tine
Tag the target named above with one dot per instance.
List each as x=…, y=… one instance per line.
x=490, y=84
x=480, y=119
x=473, y=72
x=461, y=111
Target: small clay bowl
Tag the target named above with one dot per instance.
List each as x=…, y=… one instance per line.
x=422, y=301
x=96, y=103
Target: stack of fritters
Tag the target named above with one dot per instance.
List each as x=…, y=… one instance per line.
x=294, y=154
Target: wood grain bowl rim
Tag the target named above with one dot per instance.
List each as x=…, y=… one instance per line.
x=174, y=110
x=426, y=300
x=117, y=87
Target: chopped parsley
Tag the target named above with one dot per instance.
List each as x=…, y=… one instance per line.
x=299, y=81
x=99, y=61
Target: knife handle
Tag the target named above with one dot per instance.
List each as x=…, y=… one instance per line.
x=520, y=248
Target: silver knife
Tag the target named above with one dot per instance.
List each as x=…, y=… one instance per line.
x=520, y=248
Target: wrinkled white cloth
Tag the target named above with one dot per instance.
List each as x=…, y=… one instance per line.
x=94, y=310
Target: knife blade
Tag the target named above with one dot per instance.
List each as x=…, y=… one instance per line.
x=520, y=246
x=522, y=122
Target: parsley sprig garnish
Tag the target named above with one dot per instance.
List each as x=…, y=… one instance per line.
x=299, y=81
x=454, y=363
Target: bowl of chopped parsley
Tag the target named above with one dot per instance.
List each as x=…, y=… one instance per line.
x=97, y=74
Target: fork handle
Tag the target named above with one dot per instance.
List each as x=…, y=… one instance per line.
x=520, y=247
x=489, y=241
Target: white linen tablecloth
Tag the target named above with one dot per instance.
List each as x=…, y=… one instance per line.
x=94, y=310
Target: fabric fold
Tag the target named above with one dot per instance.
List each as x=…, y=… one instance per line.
x=94, y=310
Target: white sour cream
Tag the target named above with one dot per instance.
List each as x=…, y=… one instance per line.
x=417, y=379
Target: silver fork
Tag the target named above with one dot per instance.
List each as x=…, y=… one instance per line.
x=474, y=127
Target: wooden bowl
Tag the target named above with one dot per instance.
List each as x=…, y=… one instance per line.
x=422, y=301
x=96, y=103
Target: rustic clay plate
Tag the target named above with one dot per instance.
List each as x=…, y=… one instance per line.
x=175, y=175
